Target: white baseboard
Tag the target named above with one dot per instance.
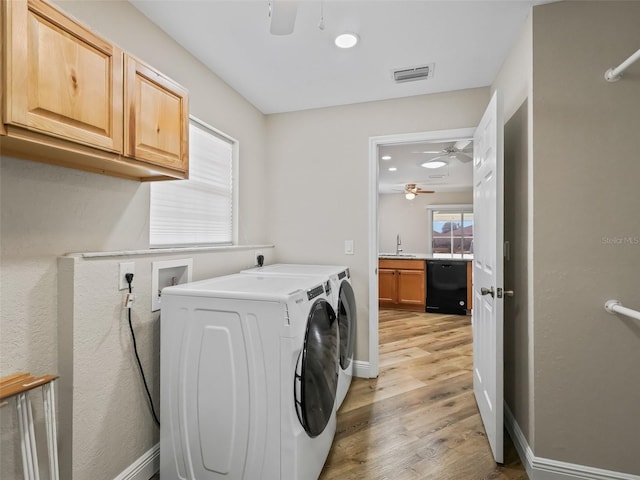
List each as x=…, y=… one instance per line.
x=539, y=468
x=144, y=467
x=361, y=369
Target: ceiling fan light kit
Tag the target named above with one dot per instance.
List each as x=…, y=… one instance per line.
x=412, y=189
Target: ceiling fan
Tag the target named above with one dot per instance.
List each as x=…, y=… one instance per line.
x=411, y=190
x=283, y=16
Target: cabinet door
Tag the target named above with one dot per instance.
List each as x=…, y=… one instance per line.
x=157, y=117
x=62, y=79
x=387, y=285
x=411, y=287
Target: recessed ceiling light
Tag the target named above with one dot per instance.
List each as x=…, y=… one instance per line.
x=392, y=169
x=434, y=164
x=386, y=157
x=346, y=40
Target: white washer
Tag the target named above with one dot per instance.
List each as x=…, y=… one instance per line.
x=344, y=303
x=248, y=371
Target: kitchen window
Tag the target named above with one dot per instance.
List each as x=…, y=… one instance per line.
x=451, y=231
x=200, y=210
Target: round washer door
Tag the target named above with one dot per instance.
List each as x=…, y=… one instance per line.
x=316, y=379
x=346, y=323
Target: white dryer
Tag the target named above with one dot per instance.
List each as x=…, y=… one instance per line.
x=344, y=303
x=248, y=373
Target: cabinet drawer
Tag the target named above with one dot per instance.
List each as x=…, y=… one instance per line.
x=401, y=264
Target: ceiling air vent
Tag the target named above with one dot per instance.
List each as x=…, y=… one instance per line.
x=411, y=74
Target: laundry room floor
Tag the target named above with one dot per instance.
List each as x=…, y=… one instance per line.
x=418, y=420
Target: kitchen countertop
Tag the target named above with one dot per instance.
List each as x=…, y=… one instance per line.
x=416, y=256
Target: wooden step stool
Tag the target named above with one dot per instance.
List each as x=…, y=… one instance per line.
x=18, y=386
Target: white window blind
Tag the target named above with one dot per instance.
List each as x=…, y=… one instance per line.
x=197, y=211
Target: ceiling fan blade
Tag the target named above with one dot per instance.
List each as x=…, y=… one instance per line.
x=462, y=144
x=462, y=157
x=283, y=16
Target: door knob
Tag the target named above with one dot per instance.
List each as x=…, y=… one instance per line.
x=506, y=293
x=487, y=291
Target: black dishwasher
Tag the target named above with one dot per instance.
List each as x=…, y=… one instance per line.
x=447, y=286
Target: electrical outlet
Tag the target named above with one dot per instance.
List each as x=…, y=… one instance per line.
x=125, y=267
x=256, y=255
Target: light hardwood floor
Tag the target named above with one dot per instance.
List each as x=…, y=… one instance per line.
x=418, y=419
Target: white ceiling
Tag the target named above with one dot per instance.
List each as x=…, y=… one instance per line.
x=466, y=40
x=457, y=176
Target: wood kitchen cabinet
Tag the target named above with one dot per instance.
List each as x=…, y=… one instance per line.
x=156, y=125
x=62, y=79
x=401, y=284
x=68, y=102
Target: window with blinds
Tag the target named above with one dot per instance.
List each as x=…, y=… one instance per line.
x=197, y=211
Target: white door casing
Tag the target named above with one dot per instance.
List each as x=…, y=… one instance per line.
x=371, y=370
x=487, y=317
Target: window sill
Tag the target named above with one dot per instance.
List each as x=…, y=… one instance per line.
x=169, y=251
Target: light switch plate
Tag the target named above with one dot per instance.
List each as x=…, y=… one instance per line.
x=348, y=247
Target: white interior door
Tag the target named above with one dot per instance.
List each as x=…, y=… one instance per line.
x=487, y=319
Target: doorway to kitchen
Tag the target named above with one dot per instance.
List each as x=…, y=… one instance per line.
x=450, y=141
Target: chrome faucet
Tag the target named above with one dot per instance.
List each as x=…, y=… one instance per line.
x=398, y=243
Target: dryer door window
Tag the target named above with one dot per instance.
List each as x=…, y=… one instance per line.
x=346, y=323
x=317, y=370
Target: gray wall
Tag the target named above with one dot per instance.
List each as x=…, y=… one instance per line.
x=586, y=233
x=410, y=219
x=571, y=368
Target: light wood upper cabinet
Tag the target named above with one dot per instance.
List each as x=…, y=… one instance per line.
x=157, y=120
x=64, y=80
x=74, y=99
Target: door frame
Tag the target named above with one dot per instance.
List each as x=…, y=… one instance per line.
x=374, y=143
